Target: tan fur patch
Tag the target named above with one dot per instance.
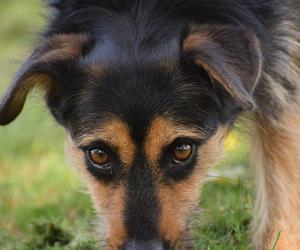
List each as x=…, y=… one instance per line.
x=115, y=133
x=107, y=199
x=109, y=202
x=276, y=156
x=178, y=199
x=13, y=102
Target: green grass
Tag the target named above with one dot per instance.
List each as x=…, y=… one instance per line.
x=43, y=204
x=225, y=218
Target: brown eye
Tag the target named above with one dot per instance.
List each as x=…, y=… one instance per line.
x=183, y=153
x=98, y=157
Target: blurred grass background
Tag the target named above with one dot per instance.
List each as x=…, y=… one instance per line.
x=43, y=203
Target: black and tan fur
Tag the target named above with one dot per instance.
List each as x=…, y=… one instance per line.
x=137, y=77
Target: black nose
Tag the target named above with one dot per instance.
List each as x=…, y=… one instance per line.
x=144, y=245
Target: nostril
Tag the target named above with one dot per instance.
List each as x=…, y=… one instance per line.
x=144, y=245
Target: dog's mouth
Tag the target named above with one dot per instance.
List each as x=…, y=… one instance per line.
x=183, y=240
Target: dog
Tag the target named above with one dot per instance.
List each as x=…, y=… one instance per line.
x=147, y=91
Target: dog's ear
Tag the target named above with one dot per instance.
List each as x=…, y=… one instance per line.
x=40, y=70
x=230, y=55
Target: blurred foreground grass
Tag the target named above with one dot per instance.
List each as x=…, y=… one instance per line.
x=43, y=204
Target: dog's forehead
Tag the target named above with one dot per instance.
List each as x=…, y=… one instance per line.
x=110, y=49
x=137, y=94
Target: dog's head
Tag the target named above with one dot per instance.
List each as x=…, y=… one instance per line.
x=146, y=116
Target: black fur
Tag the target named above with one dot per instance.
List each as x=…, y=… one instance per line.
x=142, y=205
x=257, y=15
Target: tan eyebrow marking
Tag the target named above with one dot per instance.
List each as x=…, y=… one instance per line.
x=162, y=132
x=115, y=133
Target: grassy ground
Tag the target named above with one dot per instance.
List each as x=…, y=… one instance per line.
x=43, y=204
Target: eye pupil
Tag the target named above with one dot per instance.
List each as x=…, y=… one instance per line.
x=99, y=157
x=183, y=152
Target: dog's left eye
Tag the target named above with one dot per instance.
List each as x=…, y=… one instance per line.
x=99, y=158
x=179, y=158
x=101, y=161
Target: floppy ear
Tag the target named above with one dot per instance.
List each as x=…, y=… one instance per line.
x=230, y=55
x=40, y=70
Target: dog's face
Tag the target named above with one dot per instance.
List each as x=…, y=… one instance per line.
x=144, y=127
